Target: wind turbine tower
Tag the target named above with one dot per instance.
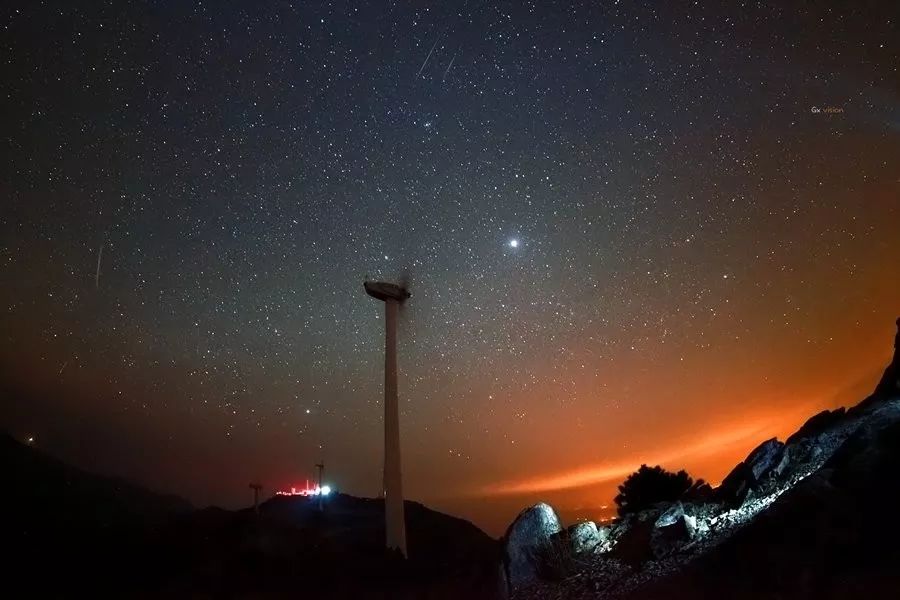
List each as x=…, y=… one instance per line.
x=393, y=296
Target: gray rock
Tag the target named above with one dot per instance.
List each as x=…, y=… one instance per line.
x=670, y=515
x=585, y=537
x=673, y=529
x=526, y=543
x=783, y=463
x=736, y=485
x=765, y=458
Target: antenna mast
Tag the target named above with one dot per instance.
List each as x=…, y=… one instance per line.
x=256, y=487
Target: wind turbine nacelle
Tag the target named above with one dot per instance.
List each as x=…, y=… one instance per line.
x=386, y=291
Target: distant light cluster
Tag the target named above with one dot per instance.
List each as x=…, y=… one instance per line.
x=325, y=490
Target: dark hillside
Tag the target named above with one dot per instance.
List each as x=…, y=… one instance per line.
x=100, y=535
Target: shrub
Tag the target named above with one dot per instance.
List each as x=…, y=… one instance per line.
x=650, y=485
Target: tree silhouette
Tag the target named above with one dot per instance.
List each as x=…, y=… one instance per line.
x=649, y=485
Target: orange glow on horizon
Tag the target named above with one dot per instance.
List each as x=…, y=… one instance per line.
x=751, y=431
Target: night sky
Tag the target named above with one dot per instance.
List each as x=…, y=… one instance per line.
x=636, y=232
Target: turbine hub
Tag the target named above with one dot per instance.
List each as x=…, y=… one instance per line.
x=386, y=291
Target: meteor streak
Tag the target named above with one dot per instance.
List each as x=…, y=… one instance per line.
x=97, y=274
x=433, y=46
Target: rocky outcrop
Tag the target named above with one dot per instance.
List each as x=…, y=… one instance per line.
x=765, y=459
x=812, y=517
x=818, y=424
x=735, y=486
x=831, y=536
x=785, y=522
x=527, y=545
x=822, y=536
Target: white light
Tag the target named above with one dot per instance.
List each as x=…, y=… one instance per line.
x=326, y=489
x=514, y=243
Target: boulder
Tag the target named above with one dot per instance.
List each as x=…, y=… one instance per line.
x=585, y=537
x=736, y=485
x=670, y=516
x=673, y=529
x=526, y=544
x=798, y=460
x=765, y=458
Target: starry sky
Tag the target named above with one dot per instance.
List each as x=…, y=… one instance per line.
x=635, y=232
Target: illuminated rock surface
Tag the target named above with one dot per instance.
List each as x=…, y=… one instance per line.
x=526, y=544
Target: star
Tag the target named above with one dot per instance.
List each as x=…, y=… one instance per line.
x=513, y=243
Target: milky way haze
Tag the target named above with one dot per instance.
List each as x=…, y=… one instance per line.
x=636, y=232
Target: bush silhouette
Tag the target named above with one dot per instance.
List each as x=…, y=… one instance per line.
x=649, y=485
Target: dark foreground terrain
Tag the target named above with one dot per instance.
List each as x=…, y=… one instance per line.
x=70, y=533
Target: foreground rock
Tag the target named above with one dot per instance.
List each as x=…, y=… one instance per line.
x=765, y=461
x=528, y=544
x=672, y=530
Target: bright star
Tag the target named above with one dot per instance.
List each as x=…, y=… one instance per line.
x=513, y=243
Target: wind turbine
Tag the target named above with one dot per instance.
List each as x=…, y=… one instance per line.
x=393, y=296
